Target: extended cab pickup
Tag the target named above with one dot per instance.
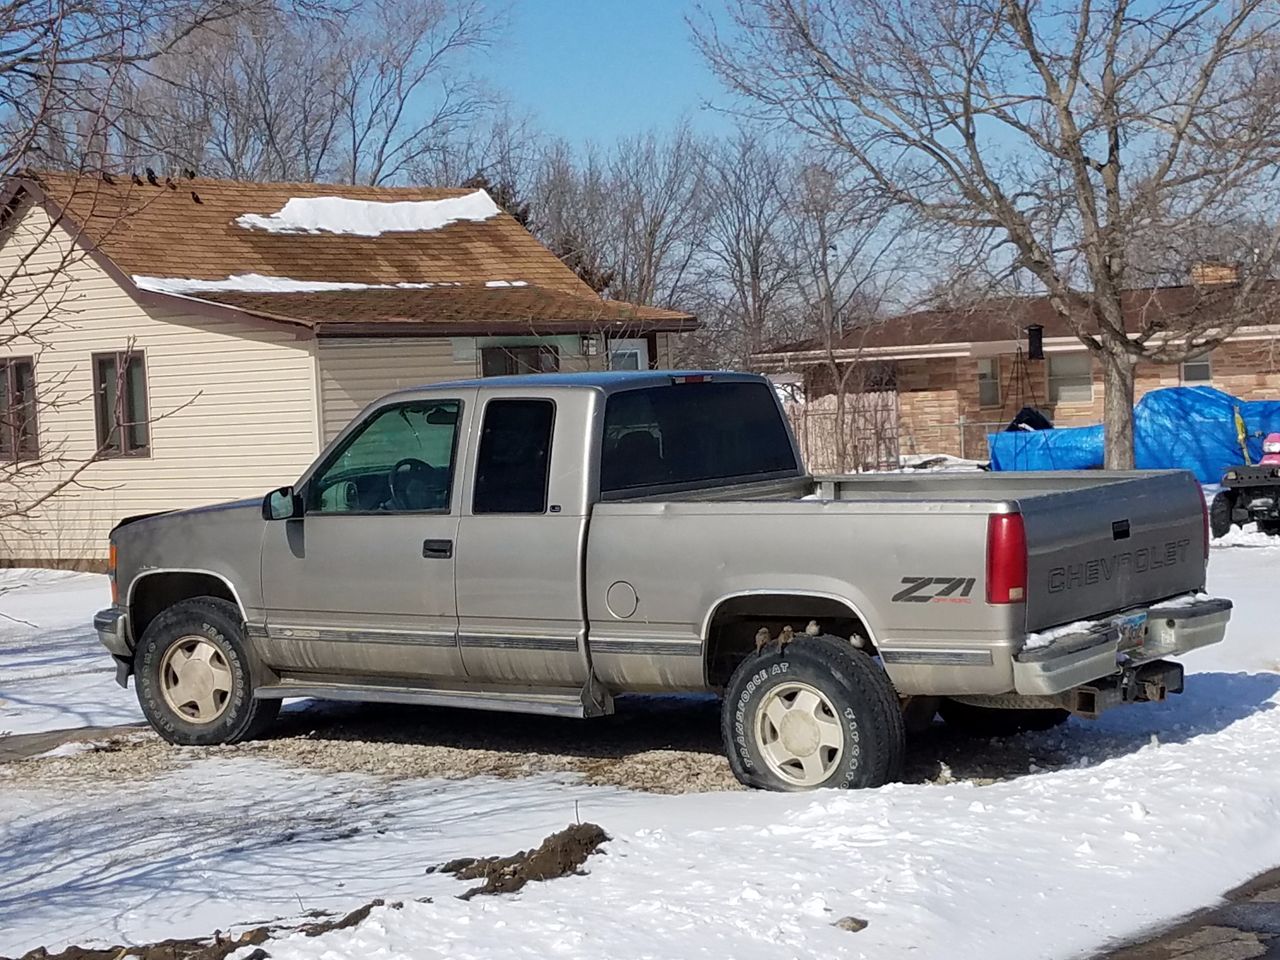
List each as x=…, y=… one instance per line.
x=547, y=543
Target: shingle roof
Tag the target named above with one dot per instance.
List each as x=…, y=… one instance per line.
x=445, y=310
x=1007, y=318
x=188, y=229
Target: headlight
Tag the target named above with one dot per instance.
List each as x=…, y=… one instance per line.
x=1231, y=475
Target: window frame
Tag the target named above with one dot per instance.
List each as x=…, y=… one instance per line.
x=1206, y=360
x=1054, y=382
x=102, y=433
x=660, y=488
x=8, y=380
x=309, y=484
x=479, y=449
x=994, y=379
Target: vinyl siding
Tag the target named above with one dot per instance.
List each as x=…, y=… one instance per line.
x=355, y=372
x=233, y=403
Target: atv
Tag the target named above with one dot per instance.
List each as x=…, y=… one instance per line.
x=1251, y=493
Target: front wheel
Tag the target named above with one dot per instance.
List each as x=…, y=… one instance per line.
x=193, y=678
x=1220, y=514
x=816, y=713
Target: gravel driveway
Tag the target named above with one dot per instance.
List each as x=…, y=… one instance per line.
x=655, y=744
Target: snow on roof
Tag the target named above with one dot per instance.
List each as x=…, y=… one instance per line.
x=506, y=283
x=370, y=218
x=259, y=283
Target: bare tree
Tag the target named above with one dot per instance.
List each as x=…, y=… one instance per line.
x=748, y=258
x=363, y=92
x=60, y=65
x=659, y=199
x=1070, y=134
x=846, y=252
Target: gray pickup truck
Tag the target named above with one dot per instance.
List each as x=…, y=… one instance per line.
x=546, y=543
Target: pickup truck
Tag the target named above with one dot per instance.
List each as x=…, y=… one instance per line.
x=549, y=542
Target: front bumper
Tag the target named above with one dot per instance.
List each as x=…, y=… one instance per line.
x=112, y=625
x=1110, y=647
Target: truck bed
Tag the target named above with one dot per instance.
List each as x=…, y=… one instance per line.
x=1097, y=542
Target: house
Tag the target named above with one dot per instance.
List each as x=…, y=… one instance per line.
x=949, y=377
x=168, y=343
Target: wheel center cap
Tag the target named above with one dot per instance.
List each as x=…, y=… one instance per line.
x=200, y=678
x=799, y=734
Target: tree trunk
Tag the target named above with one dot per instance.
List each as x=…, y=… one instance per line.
x=1117, y=408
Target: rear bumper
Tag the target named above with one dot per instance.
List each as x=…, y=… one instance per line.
x=1106, y=648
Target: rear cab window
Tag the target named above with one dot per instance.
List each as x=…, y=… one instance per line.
x=693, y=434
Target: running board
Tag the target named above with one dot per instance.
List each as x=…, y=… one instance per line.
x=561, y=703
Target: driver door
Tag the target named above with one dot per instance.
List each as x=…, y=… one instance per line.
x=363, y=582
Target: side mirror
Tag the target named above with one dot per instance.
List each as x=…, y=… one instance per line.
x=282, y=504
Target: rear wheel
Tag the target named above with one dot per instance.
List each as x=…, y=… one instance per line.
x=996, y=721
x=815, y=713
x=193, y=676
x=1220, y=514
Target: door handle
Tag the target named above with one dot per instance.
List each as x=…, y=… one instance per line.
x=437, y=549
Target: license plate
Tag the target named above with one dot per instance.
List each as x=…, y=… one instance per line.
x=1132, y=628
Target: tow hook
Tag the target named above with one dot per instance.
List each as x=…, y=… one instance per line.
x=1150, y=682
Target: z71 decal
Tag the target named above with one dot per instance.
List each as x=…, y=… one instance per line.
x=935, y=590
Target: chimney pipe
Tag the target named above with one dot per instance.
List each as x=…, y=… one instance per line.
x=1035, y=342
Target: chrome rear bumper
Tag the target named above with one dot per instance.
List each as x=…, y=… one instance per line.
x=1105, y=648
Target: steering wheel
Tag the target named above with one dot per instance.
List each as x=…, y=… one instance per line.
x=407, y=481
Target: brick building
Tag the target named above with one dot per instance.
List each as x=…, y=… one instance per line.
x=957, y=375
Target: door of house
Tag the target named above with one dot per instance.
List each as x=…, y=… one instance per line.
x=629, y=354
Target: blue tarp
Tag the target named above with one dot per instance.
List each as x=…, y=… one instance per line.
x=1186, y=428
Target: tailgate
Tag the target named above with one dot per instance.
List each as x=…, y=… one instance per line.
x=1098, y=549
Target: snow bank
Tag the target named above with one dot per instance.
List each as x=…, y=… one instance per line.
x=370, y=218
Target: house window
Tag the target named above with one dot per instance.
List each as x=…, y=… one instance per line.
x=507, y=361
x=120, y=404
x=1199, y=370
x=18, y=437
x=989, y=382
x=1070, y=378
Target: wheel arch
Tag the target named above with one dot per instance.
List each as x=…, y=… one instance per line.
x=730, y=624
x=155, y=591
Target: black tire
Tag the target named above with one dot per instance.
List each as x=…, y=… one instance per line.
x=998, y=722
x=217, y=622
x=1220, y=514
x=1270, y=527
x=857, y=688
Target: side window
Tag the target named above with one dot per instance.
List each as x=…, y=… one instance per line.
x=120, y=404
x=18, y=436
x=513, y=464
x=400, y=461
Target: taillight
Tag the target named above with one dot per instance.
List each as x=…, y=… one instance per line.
x=1204, y=516
x=111, y=574
x=1006, y=558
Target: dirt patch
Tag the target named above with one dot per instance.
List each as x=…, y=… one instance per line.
x=193, y=949
x=212, y=948
x=558, y=855
x=666, y=745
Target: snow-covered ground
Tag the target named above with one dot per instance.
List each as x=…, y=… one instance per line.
x=53, y=672
x=1167, y=807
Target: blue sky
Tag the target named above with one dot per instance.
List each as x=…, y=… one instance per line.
x=599, y=69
